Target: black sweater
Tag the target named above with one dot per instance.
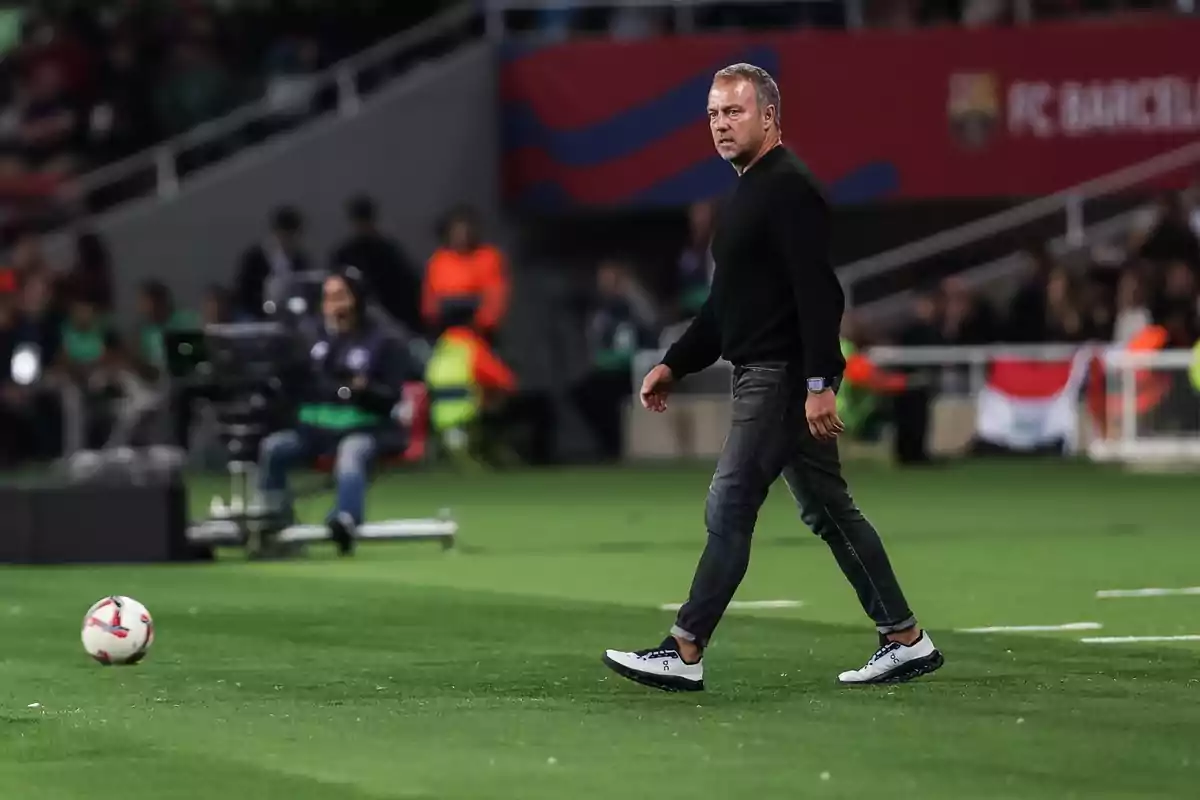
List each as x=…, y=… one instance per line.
x=774, y=296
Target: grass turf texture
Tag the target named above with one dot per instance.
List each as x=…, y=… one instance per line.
x=409, y=673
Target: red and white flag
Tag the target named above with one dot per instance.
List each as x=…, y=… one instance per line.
x=1027, y=405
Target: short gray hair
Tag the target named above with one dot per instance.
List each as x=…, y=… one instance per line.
x=765, y=89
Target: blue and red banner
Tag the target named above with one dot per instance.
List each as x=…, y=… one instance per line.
x=877, y=115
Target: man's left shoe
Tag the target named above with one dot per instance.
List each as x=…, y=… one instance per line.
x=896, y=663
x=341, y=529
x=659, y=667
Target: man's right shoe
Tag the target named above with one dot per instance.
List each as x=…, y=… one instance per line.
x=894, y=662
x=659, y=667
x=342, y=529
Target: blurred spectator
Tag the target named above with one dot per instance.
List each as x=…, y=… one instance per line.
x=964, y=318
x=87, y=341
x=122, y=120
x=196, y=88
x=104, y=399
x=40, y=323
x=1171, y=237
x=156, y=316
x=636, y=22
x=1063, y=321
x=471, y=393
x=11, y=394
x=622, y=323
x=31, y=402
x=48, y=43
x=217, y=307
x=465, y=271
x=27, y=257
x=388, y=269
x=53, y=127
x=696, y=261
x=1096, y=304
x=1178, y=299
x=292, y=68
x=985, y=13
x=911, y=406
x=267, y=269
x=1027, y=310
x=92, y=276
x=1132, y=314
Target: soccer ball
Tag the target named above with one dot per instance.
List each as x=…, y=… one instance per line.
x=118, y=630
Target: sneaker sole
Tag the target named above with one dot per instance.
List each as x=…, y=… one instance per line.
x=907, y=672
x=667, y=684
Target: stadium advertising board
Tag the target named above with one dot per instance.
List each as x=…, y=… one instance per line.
x=878, y=115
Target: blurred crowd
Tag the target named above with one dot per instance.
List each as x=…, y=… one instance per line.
x=634, y=21
x=1149, y=278
x=87, y=354
x=85, y=83
x=64, y=343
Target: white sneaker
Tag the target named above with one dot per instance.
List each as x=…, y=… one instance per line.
x=661, y=667
x=896, y=663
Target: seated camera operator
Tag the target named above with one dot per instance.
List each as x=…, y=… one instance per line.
x=355, y=377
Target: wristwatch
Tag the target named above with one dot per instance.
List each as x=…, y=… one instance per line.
x=818, y=385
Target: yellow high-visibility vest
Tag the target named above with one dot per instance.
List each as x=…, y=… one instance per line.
x=450, y=381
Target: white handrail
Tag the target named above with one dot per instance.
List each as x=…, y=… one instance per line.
x=1142, y=359
x=962, y=355
x=885, y=311
x=1005, y=220
x=213, y=130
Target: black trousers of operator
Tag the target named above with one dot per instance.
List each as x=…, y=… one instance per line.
x=769, y=437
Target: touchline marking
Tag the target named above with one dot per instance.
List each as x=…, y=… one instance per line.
x=738, y=605
x=1191, y=637
x=1107, y=594
x=1070, y=626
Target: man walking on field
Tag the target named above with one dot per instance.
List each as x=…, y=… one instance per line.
x=775, y=313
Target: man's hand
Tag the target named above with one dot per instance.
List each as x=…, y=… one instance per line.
x=820, y=409
x=655, y=388
x=359, y=383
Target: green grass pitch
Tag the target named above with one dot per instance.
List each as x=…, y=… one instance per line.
x=407, y=672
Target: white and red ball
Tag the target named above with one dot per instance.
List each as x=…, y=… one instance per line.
x=118, y=630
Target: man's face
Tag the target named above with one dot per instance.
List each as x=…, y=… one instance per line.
x=738, y=126
x=83, y=315
x=288, y=239
x=609, y=280
x=461, y=234
x=146, y=307
x=36, y=296
x=337, y=303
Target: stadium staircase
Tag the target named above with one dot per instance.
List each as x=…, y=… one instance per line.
x=988, y=254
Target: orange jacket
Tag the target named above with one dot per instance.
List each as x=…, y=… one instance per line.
x=481, y=273
x=1150, y=387
x=489, y=372
x=861, y=371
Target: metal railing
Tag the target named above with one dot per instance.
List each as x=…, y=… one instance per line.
x=887, y=312
x=1069, y=201
x=343, y=78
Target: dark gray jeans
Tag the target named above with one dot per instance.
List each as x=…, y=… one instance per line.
x=769, y=436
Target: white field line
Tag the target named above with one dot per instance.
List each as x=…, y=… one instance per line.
x=1070, y=626
x=742, y=605
x=1135, y=639
x=1108, y=594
